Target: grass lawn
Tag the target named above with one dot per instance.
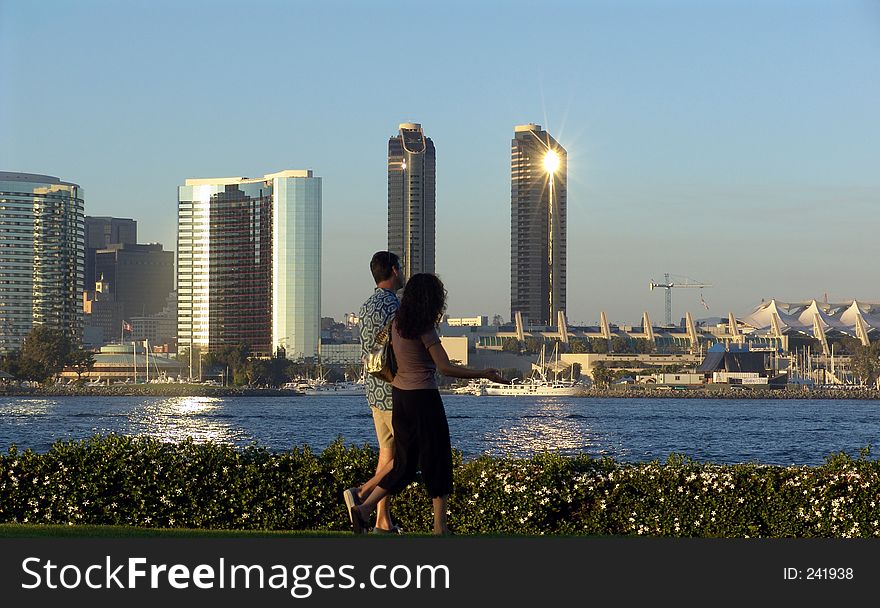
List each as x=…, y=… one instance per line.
x=38, y=531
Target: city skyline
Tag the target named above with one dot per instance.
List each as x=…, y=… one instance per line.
x=735, y=144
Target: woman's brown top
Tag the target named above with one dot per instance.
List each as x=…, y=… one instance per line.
x=415, y=367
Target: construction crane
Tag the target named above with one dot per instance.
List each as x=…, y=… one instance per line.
x=668, y=286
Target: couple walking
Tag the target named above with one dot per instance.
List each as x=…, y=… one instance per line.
x=408, y=413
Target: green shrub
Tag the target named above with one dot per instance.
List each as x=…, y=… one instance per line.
x=144, y=482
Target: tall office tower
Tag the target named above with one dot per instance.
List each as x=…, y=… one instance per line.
x=249, y=263
x=101, y=232
x=41, y=256
x=412, y=199
x=140, y=276
x=538, y=180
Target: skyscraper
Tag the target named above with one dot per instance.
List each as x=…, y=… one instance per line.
x=41, y=256
x=140, y=276
x=538, y=184
x=101, y=232
x=249, y=263
x=412, y=199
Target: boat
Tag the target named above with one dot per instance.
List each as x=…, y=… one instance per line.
x=535, y=387
x=474, y=387
x=320, y=387
x=539, y=385
x=338, y=389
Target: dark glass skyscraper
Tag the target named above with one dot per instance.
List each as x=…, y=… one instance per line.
x=101, y=232
x=538, y=184
x=412, y=199
x=140, y=276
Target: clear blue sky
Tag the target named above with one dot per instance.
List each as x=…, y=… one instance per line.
x=736, y=143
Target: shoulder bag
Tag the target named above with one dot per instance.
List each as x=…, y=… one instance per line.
x=379, y=360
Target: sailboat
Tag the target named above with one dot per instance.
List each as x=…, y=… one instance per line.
x=539, y=385
x=338, y=389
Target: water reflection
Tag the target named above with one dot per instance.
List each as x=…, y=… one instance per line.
x=551, y=426
x=178, y=418
x=27, y=407
x=772, y=432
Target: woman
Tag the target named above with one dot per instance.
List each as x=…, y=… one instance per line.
x=421, y=433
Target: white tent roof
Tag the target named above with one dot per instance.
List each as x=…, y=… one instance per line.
x=799, y=316
x=827, y=321
x=762, y=317
x=870, y=315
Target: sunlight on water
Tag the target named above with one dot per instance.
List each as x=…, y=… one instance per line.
x=28, y=407
x=546, y=428
x=179, y=418
x=783, y=431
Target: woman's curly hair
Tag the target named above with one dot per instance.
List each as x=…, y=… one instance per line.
x=422, y=305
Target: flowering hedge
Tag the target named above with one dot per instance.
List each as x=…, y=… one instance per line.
x=144, y=482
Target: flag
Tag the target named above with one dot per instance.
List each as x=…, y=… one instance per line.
x=126, y=326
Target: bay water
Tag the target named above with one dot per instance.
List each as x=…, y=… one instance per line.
x=783, y=431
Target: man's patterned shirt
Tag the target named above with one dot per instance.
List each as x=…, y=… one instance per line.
x=374, y=315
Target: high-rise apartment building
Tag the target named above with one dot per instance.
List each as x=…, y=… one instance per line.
x=249, y=263
x=102, y=232
x=538, y=184
x=412, y=199
x=41, y=256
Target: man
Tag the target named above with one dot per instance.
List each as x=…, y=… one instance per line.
x=375, y=314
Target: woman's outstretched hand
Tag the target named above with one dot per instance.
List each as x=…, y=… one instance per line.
x=493, y=375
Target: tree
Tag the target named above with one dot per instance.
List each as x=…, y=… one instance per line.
x=620, y=344
x=230, y=360
x=866, y=363
x=82, y=361
x=598, y=345
x=622, y=373
x=602, y=376
x=579, y=346
x=11, y=364
x=511, y=345
x=272, y=372
x=44, y=353
x=576, y=371
x=533, y=345
x=644, y=346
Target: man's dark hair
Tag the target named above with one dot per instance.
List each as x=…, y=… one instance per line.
x=381, y=265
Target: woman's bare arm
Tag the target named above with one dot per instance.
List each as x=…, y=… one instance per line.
x=447, y=368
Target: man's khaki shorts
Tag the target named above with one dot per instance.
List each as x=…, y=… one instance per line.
x=384, y=432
